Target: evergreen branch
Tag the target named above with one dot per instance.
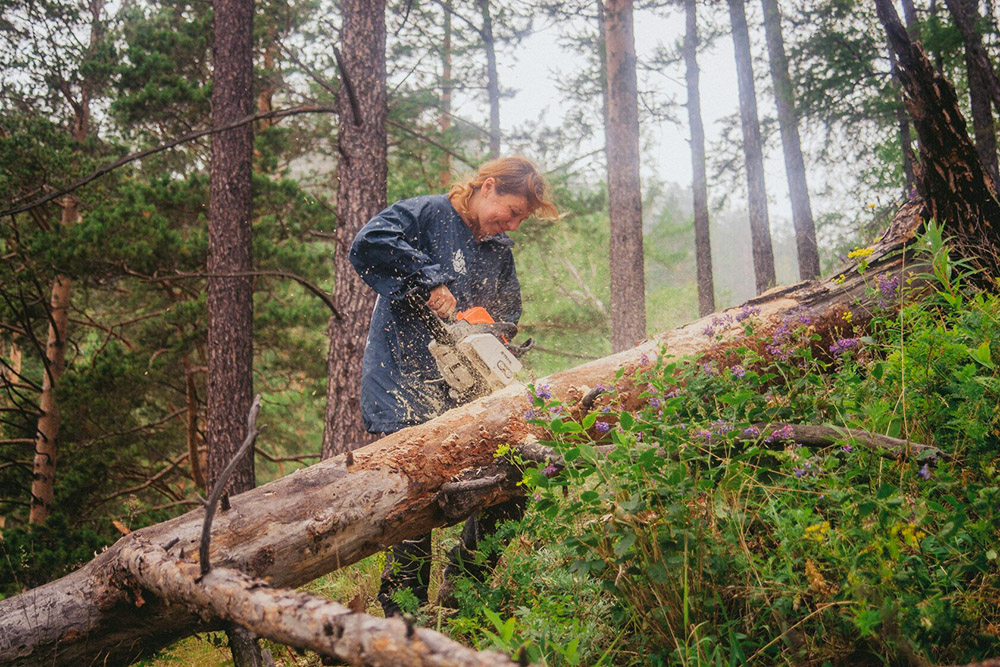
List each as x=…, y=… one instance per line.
x=312, y=287
x=190, y=136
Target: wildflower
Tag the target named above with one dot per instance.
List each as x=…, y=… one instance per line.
x=602, y=427
x=602, y=387
x=846, y=448
x=843, y=345
x=654, y=402
x=925, y=472
x=888, y=289
x=860, y=253
x=751, y=432
x=708, y=369
x=738, y=371
x=847, y=316
x=703, y=434
x=531, y=414
x=786, y=432
x=840, y=280
x=673, y=393
x=543, y=391
x=708, y=331
x=746, y=312
x=643, y=359
x=606, y=409
x=550, y=470
x=556, y=410
x=537, y=496
x=721, y=427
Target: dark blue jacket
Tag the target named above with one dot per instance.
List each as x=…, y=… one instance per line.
x=421, y=243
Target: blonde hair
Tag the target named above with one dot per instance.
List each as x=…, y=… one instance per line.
x=513, y=175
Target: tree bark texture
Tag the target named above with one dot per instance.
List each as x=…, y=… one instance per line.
x=628, y=290
x=979, y=100
x=361, y=185
x=492, y=77
x=47, y=431
x=760, y=227
x=352, y=505
x=230, y=299
x=952, y=181
x=699, y=178
x=795, y=168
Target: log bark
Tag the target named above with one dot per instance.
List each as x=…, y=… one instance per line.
x=352, y=505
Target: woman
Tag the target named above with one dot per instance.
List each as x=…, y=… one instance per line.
x=452, y=250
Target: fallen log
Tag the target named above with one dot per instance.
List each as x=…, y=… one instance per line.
x=336, y=512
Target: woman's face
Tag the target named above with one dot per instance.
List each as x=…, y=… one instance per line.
x=496, y=213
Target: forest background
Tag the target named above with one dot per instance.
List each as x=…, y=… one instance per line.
x=88, y=83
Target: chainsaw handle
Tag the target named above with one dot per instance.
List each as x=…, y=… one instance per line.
x=439, y=332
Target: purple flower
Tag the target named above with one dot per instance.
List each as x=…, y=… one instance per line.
x=738, y=371
x=708, y=331
x=602, y=427
x=606, y=409
x=888, y=289
x=708, y=369
x=654, y=402
x=751, y=432
x=550, y=470
x=786, y=432
x=643, y=359
x=531, y=414
x=846, y=448
x=603, y=387
x=704, y=434
x=799, y=472
x=543, y=391
x=843, y=345
x=721, y=427
x=747, y=312
x=925, y=472
x=673, y=393
x=537, y=496
x=556, y=410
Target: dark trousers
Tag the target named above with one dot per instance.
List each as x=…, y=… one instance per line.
x=408, y=564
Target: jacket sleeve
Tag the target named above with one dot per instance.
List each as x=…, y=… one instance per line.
x=386, y=253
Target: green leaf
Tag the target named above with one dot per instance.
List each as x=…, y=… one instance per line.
x=885, y=491
x=624, y=544
x=626, y=421
x=982, y=355
x=589, y=420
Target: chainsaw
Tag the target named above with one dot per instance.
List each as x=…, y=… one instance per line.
x=472, y=351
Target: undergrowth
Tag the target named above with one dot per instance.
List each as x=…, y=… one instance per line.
x=702, y=533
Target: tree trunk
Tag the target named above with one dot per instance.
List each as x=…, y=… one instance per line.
x=492, y=78
x=974, y=49
x=953, y=182
x=230, y=299
x=760, y=227
x=352, y=505
x=444, y=118
x=795, y=168
x=361, y=184
x=979, y=98
x=699, y=179
x=903, y=124
x=628, y=299
x=47, y=432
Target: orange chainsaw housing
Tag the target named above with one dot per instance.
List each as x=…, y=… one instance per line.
x=475, y=315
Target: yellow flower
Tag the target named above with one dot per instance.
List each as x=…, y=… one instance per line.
x=862, y=253
x=818, y=531
x=839, y=280
x=847, y=316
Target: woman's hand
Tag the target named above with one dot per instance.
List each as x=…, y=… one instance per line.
x=442, y=302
